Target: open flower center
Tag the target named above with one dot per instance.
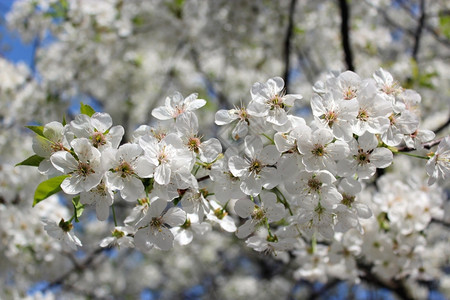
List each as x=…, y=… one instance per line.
x=57, y=146
x=98, y=139
x=255, y=166
x=318, y=150
x=362, y=115
x=347, y=200
x=393, y=88
x=257, y=213
x=84, y=169
x=158, y=134
x=392, y=119
x=179, y=109
x=276, y=102
x=118, y=234
x=194, y=144
x=350, y=93
x=330, y=117
x=157, y=222
x=241, y=113
x=314, y=184
x=363, y=157
x=125, y=169
x=220, y=213
x=163, y=157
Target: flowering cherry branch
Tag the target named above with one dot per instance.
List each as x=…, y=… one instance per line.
x=291, y=183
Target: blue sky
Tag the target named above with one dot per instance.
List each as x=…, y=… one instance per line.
x=11, y=47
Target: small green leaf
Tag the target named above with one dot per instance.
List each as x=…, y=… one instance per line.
x=47, y=188
x=299, y=30
x=138, y=21
x=78, y=207
x=33, y=161
x=39, y=130
x=444, y=24
x=383, y=221
x=64, y=122
x=86, y=109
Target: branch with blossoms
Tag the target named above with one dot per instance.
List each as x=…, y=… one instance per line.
x=295, y=186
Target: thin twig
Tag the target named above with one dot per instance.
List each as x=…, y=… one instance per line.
x=419, y=30
x=441, y=222
x=345, y=34
x=223, y=101
x=287, y=45
x=434, y=32
x=326, y=288
x=427, y=146
x=391, y=22
x=395, y=286
x=77, y=267
x=442, y=127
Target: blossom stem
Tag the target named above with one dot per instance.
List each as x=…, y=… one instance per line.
x=282, y=199
x=268, y=227
x=314, y=243
x=114, y=215
x=197, y=167
x=413, y=155
x=269, y=138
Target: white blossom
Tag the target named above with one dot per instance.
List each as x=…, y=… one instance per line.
x=85, y=173
x=154, y=227
x=438, y=166
x=176, y=105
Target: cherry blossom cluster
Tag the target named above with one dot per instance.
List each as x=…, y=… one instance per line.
x=288, y=181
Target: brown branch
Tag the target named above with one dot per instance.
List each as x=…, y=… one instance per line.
x=168, y=77
x=392, y=23
x=433, y=31
x=345, y=34
x=441, y=222
x=419, y=30
x=327, y=287
x=431, y=144
x=395, y=286
x=223, y=101
x=442, y=127
x=427, y=146
x=77, y=267
x=287, y=45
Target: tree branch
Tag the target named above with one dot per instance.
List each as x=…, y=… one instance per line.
x=395, y=286
x=434, y=32
x=77, y=267
x=327, y=287
x=345, y=34
x=223, y=101
x=287, y=45
x=427, y=146
x=442, y=127
x=441, y=222
x=419, y=30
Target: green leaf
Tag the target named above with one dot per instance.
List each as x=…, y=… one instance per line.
x=383, y=221
x=299, y=30
x=176, y=7
x=39, y=130
x=78, y=207
x=86, y=109
x=47, y=188
x=64, y=122
x=33, y=161
x=444, y=24
x=138, y=21
x=58, y=10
